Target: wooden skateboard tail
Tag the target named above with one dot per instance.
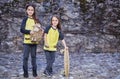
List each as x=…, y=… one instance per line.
x=66, y=62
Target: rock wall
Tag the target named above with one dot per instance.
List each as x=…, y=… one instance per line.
x=88, y=25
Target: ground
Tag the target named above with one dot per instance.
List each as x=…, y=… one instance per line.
x=82, y=66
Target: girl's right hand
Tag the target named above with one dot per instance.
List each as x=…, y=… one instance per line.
x=46, y=45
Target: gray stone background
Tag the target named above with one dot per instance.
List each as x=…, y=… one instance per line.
x=91, y=29
x=88, y=25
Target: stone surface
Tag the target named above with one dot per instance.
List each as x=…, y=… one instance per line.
x=82, y=66
x=93, y=24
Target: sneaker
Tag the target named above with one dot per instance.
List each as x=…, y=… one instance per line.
x=34, y=73
x=46, y=73
x=25, y=75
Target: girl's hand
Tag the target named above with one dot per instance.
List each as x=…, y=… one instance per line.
x=31, y=32
x=46, y=45
x=66, y=48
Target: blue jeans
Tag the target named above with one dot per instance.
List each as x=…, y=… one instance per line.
x=29, y=48
x=50, y=58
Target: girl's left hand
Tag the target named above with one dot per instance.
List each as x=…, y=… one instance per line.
x=31, y=32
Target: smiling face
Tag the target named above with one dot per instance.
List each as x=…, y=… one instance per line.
x=30, y=11
x=55, y=21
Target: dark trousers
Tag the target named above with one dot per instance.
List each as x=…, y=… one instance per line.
x=32, y=50
x=50, y=58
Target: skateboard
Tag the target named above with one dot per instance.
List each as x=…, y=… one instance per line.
x=66, y=61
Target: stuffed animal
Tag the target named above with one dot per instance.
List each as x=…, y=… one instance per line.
x=38, y=32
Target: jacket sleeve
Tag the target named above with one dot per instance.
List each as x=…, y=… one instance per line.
x=61, y=36
x=47, y=29
x=22, y=29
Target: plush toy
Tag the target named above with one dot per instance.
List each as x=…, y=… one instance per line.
x=38, y=32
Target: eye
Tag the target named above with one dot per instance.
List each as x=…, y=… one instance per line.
x=30, y=9
x=54, y=20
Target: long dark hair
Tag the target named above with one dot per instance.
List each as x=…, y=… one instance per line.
x=59, y=23
x=34, y=14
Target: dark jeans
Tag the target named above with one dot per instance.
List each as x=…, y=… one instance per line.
x=29, y=48
x=50, y=58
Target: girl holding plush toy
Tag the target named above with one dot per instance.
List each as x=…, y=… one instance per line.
x=29, y=47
